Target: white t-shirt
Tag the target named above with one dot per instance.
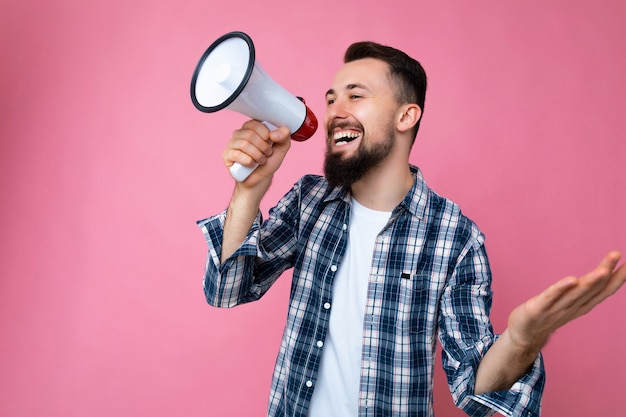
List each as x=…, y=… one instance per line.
x=336, y=392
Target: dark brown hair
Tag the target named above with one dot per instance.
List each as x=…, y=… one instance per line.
x=407, y=73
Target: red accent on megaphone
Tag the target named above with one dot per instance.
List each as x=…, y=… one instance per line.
x=308, y=128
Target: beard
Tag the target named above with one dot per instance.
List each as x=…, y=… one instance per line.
x=343, y=172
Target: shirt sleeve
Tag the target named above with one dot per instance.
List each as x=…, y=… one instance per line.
x=266, y=252
x=466, y=334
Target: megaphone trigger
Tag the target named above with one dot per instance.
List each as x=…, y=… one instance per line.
x=228, y=77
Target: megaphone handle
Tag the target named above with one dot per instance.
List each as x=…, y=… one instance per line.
x=240, y=172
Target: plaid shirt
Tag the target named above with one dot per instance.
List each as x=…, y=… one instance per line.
x=430, y=279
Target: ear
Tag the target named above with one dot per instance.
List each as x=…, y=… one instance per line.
x=409, y=115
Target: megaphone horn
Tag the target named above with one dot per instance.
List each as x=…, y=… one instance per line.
x=227, y=77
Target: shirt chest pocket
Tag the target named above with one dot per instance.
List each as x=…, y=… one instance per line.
x=415, y=304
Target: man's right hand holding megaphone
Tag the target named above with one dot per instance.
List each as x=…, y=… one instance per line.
x=228, y=77
x=254, y=144
x=258, y=144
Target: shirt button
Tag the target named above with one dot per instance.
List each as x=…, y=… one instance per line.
x=309, y=384
x=327, y=306
x=333, y=268
x=345, y=226
x=320, y=343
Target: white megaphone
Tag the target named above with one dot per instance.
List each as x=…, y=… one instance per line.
x=228, y=78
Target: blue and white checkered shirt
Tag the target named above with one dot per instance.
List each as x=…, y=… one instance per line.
x=430, y=279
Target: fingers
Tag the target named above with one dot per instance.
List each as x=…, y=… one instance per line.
x=554, y=294
x=575, y=297
x=572, y=297
x=602, y=275
x=248, y=145
x=605, y=280
x=252, y=144
x=618, y=279
x=610, y=261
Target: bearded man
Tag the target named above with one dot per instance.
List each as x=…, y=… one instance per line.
x=383, y=267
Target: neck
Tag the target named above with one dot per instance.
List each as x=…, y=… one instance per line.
x=384, y=187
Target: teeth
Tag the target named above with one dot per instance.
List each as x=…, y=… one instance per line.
x=341, y=138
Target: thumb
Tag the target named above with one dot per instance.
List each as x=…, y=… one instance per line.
x=280, y=135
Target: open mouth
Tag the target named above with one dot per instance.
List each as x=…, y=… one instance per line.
x=344, y=137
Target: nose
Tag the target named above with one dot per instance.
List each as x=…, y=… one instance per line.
x=336, y=110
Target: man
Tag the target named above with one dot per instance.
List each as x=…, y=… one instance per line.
x=383, y=266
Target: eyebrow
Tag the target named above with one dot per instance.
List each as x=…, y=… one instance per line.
x=349, y=87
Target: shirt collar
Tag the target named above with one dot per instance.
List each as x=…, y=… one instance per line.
x=338, y=193
x=415, y=201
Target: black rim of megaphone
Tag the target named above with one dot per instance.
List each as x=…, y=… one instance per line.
x=243, y=83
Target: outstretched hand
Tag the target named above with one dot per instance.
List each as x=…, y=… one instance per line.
x=532, y=323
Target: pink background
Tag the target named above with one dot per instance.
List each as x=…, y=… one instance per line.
x=105, y=165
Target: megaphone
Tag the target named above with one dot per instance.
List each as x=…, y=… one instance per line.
x=227, y=77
